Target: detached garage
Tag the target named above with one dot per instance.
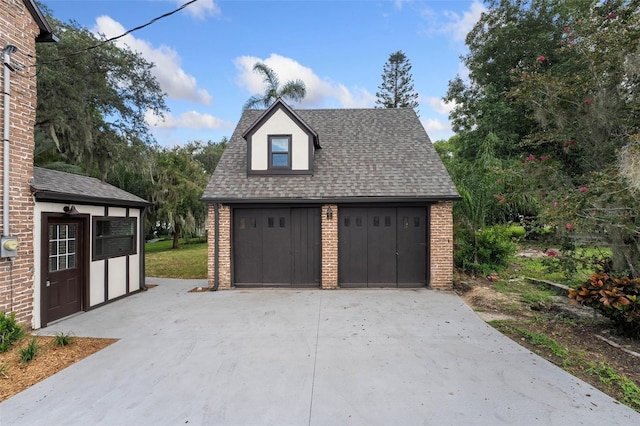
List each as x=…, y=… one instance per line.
x=330, y=198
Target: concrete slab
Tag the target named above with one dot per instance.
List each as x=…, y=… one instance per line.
x=304, y=357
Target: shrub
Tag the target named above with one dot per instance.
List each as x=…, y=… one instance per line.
x=10, y=331
x=487, y=250
x=616, y=298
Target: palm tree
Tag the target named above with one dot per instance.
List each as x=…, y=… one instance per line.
x=294, y=90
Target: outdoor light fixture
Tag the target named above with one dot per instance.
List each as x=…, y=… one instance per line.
x=329, y=213
x=70, y=210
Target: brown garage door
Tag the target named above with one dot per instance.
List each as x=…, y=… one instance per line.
x=276, y=247
x=382, y=247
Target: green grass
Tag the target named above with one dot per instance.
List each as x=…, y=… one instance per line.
x=531, y=294
x=630, y=391
x=189, y=261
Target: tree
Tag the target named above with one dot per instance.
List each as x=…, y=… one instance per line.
x=181, y=180
x=508, y=36
x=91, y=101
x=294, y=90
x=586, y=102
x=396, y=90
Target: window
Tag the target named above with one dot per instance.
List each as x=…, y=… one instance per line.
x=113, y=237
x=62, y=247
x=279, y=152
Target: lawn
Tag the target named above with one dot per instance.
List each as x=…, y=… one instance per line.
x=189, y=261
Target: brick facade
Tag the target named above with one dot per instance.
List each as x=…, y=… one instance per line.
x=440, y=255
x=224, y=247
x=329, y=237
x=18, y=28
x=441, y=243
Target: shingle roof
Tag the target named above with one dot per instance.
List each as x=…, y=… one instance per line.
x=66, y=187
x=367, y=154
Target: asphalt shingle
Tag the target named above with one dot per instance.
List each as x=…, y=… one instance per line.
x=366, y=154
x=55, y=185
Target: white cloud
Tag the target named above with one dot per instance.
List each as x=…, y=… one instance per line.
x=460, y=25
x=190, y=119
x=437, y=129
x=173, y=80
x=320, y=92
x=201, y=9
x=440, y=106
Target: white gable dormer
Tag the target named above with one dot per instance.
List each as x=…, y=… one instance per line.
x=279, y=142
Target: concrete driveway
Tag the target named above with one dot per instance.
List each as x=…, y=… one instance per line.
x=304, y=357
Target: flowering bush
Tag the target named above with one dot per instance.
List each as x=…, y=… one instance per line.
x=616, y=298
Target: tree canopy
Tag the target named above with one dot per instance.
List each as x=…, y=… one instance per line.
x=294, y=90
x=396, y=89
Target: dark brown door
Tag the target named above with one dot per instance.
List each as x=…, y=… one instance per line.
x=382, y=247
x=63, y=278
x=277, y=247
x=412, y=247
x=352, y=247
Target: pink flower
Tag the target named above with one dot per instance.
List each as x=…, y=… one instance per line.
x=612, y=15
x=551, y=253
x=544, y=158
x=541, y=58
x=588, y=101
x=583, y=188
x=567, y=28
x=569, y=226
x=530, y=158
x=555, y=204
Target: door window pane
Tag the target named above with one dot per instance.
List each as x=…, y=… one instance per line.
x=62, y=247
x=376, y=221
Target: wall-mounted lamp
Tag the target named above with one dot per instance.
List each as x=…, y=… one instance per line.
x=329, y=213
x=70, y=210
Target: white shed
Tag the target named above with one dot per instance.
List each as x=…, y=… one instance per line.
x=88, y=244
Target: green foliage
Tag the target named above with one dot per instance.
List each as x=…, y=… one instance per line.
x=62, y=339
x=29, y=353
x=10, y=331
x=607, y=375
x=616, y=298
x=489, y=251
x=294, y=90
x=91, y=105
x=396, y=89
x=544, y=341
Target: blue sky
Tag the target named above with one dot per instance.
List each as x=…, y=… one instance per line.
x=204, y=54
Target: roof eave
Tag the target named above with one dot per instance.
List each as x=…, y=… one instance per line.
x=331, y=200
x=46, y=31
x=60, y=197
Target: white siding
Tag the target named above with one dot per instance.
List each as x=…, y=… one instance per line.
x=117, y=276
x=96, y=286
x=280, y=124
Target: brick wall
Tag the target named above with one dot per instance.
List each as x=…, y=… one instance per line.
x=224, y=247
x=441, y=241
x=16, y=278
x=329, y=247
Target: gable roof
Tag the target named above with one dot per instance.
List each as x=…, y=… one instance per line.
x=266, y=115
x=52, y=185
x=367, y=155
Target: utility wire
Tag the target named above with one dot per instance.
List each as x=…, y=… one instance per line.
x=103, y=42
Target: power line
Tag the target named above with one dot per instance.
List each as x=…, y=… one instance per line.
x=103, y=42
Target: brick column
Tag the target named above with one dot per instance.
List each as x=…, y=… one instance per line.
x=329, y=247
x=441, y=246
x=224, y=247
